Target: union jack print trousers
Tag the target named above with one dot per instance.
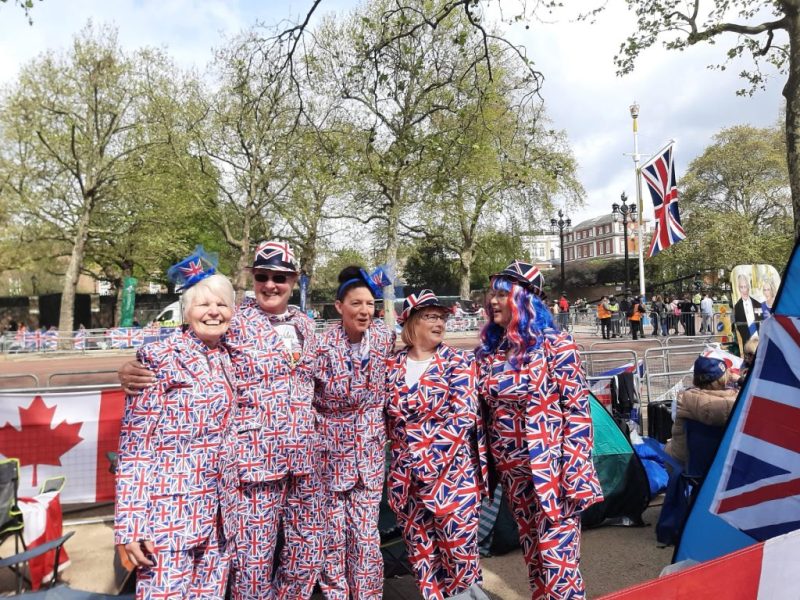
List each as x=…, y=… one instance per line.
x=295, y=503
x=551, y=550
x=198, y=573
x=353, y=565
x=442, y=550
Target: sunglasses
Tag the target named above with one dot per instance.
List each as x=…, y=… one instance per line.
x=275, y=278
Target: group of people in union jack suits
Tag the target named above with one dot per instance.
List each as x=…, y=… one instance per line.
x=268, y=428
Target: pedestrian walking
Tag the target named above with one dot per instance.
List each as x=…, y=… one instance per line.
x=706, y=314
x=604, y=315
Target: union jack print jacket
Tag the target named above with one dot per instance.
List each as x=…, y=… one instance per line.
x=177, y=454
x=435, y=434
x=558, y=425
x=276, y=421
x=350, y=399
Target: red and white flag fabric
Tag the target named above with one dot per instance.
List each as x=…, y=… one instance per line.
x=43, y=523
x=68, y=434
x=659, y=175
x=733, y=363
x=759, y=490
x=763, y=571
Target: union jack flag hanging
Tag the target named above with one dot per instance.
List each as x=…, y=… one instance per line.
x=759, y=490
x=659, y=173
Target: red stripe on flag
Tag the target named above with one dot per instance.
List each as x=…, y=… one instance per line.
x=112, y=405
x=788, y=325
x=734, y=575
x=773, y=422
x=767, y=493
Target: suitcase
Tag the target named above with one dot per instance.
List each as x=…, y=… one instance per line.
x=659, y=420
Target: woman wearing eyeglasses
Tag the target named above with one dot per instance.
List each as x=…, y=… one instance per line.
x=349, y=399
x=539, y=427
x=435, y=479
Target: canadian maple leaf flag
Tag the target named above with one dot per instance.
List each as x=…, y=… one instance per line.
x=66, y=434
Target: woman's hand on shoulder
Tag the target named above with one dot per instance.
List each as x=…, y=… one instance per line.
x=134, y=377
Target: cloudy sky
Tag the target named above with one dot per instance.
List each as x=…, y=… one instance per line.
x=679, y=97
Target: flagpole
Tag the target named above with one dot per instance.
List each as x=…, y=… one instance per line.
x=634, y=108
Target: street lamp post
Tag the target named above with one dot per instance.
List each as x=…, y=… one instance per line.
x=625, y=210
x=561, y=225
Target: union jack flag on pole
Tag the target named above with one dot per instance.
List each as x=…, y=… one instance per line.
x=759, y=491
x=659, y=174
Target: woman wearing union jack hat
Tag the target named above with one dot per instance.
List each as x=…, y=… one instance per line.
x=539, y=427
x=273, y=354
x=350, y=398
x=177, y=498
x=435, y=478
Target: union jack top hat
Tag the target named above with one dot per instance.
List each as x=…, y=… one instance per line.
x=414, y=302
x=192, y=269
x=526, y=275
x=275, y=255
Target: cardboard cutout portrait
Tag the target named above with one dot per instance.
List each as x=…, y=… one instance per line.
x=754, y=290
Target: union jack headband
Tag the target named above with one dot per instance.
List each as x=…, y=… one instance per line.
x=527, y=275
x=416, y=301
x=275, y=255
x=192, y=269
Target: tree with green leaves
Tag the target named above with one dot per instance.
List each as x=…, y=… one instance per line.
x=72, y=126
x=396, y=84
x=766, y=30
x=735, y=205
x=242, y=134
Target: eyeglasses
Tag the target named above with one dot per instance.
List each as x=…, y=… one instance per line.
x=275, y=278
x=433, y=317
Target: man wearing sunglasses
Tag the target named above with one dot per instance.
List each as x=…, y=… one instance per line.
x=273, y=349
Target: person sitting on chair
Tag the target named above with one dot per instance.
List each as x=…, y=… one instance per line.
x=708, y=401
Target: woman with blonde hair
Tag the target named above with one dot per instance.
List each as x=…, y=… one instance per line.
x=435, y=479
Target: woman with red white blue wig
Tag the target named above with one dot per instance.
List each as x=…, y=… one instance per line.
x=177, y=498
x=539, y=427
x=435, y=480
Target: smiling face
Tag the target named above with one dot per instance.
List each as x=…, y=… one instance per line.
x=429, y=327
x=357, y=309
x=209, y=317
x=273, y=290
x=500, y=304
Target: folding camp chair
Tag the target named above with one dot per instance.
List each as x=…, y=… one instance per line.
x=10, y=515
x=16, y=562
x=12, y=524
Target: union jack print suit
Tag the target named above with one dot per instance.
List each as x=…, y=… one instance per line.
x=278, y=456
x=435, y=481
x=176, y=481
x=350, y=399
x=540, y=437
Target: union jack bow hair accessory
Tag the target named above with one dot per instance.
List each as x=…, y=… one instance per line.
x=275, y=255
x=192, y=269
x=376, y=281
x=414, y=302
x=526, y=275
